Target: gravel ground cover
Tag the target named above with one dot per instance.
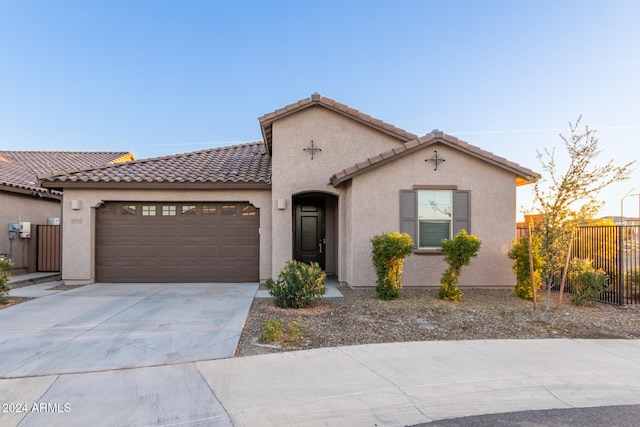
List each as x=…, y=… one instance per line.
x=419, y=315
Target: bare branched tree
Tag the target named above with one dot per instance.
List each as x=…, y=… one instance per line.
x=567, y=199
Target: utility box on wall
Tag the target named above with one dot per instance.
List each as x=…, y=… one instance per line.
x=25, y=230
x=14, y=229
x=22, y=229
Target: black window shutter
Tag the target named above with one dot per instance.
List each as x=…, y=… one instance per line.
x=461, y=211
x=409, y=213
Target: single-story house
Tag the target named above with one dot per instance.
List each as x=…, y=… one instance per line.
x=324, y=180
x=23, y=199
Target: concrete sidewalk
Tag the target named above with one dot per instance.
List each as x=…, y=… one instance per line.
x=36, y=291
x=33, y=278
x=384, y=385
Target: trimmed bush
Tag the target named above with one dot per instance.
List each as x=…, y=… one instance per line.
x=387, y=254
x=457, y=253
x=5, y=265
x=587, y=283
x=297, y=285
x=519, y=253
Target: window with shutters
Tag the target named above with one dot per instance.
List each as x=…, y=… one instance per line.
x=429, y=216
x=434, y=217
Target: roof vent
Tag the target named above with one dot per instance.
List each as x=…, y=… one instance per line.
x=316, y=96
x=436, y=131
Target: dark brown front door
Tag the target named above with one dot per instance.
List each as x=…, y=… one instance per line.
x=309, y=245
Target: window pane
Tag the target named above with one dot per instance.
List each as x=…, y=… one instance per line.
x=148, y=210
x=229, y=210
x=248, y=211
x=432, y=233
x=188, y=210
x=107, y=210
x=128, y=210
x=434, y=204
x=168, y=210
x=208, y=210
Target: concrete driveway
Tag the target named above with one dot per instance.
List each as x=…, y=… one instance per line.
x=110, y=326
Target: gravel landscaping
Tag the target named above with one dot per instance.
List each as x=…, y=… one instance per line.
x=419, y=315
x=360, y=317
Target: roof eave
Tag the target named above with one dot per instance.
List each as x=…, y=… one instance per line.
x=523, y=175
x=40, y=193
x=266, y=121
x=172, y=186
x=526, y=180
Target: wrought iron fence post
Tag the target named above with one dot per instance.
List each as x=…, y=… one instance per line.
x=620, y=255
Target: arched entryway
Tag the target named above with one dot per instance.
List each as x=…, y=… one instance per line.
x=315, y=229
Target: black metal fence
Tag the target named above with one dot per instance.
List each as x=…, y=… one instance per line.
x=615, y=249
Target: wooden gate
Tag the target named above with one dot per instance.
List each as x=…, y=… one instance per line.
x=49, y=248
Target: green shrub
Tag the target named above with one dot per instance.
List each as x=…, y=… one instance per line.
x=274, y=331
x=457, y=253
x=388, y=253
x=519, y=253
x=448, y=288
x=586, y=283
x=5, y=266
x=297, y=285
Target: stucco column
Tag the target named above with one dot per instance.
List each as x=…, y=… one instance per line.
x=78, y=240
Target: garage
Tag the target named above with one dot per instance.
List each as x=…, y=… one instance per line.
x=177, y=242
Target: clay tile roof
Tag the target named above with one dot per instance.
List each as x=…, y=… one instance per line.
x=20, y=169
x=266, y=121
x=243, y=163
x=523, y=175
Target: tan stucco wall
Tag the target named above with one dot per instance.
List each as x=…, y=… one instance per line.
x=17, y=207
x=78, y=242
x=366, y=205
x=343, y=141
x=375, y=209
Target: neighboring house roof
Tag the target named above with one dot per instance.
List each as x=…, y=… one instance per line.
x=523, y=175
x=19, y=170
x=317, y=100
x=243, y=165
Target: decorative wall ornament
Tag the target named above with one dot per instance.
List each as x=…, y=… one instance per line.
x=313, y=149
x=435, y=159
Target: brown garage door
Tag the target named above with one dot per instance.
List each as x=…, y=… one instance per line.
x=177, y=242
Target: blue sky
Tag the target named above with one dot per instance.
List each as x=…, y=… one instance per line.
x=164, y=77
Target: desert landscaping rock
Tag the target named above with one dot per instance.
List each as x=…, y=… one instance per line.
x=361, y=318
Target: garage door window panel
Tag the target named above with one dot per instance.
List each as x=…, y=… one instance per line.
x=128, y=210
x=107, y=210
x=209, y=210
x=169, y=210
x=248, y=210
x=148, y=210
x=189, y=210
x=229, y=210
